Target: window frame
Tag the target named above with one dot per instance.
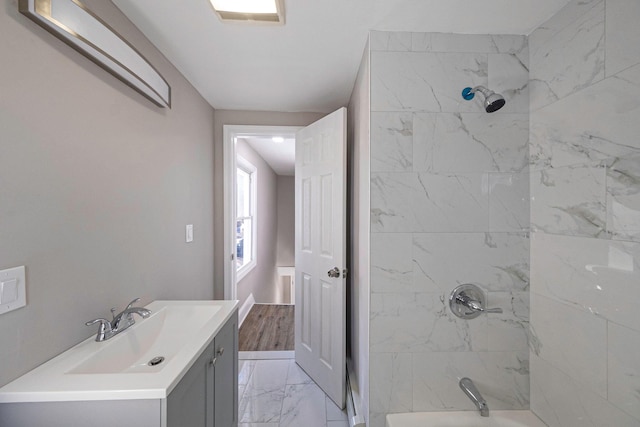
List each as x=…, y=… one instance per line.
x=246, y=166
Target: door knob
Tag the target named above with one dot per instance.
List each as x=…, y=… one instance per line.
x=334, y=272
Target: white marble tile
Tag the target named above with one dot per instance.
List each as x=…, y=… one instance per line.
x=424, y=138
x=296, y=375
x=430, y=82
x=390, y=41
x=269, y=374
x=451, y=202
x=391, y=382
x=622, y=35
x=509, y=205
x=591, y=125
x=245, y=367
x=509, y=76
x=569, y=200
x=624, y=369
x=493, y=261
x=562, y=19
x=508, y=331
x=421, y=202
x=480, y=142
x=462, y=43
x=261, y=405
x=514, y=45
x=594, y=275
x=421, y=42
x=576, y=349
x=560, y=401
x=623, y=198
x=419, y=322
x=263, y=394
x=391, y=262
x=391, y=142
x=304, y=404
x=333, y=412
x=571, y=59
x=377, y=419
x=501, y=377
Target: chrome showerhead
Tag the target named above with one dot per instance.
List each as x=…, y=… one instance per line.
x=492, y=101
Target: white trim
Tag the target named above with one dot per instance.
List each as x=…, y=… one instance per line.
x=245, y=309
x=230, y=133
x=250, y=168
x=354, y=408
x=266, y=355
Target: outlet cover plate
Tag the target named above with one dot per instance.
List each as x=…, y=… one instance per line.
x=13, y=289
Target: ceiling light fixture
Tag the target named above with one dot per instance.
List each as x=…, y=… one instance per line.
x=266, y=11
x=277, y=139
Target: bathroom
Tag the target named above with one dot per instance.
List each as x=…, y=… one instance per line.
x=96, y=187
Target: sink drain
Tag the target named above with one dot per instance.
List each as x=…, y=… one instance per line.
x=156, y=361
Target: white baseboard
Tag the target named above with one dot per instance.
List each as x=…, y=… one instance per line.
x=245, y=309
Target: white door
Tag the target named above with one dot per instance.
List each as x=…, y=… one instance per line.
x=320, y=254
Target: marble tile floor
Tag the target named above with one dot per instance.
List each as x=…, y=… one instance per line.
x=278, y=393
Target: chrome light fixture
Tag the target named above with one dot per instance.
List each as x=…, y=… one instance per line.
x=262, y=11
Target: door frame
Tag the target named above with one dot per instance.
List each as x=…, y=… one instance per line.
x=229, y=155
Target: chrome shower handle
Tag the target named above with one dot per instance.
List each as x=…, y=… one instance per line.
x=468, y=302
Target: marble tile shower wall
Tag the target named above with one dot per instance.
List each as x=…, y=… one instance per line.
x=585, y=215
x=449, y=205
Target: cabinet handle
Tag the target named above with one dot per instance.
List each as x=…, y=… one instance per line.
x=220, y=351
x=213, y=361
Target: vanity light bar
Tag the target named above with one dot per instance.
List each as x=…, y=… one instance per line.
x=263, y=11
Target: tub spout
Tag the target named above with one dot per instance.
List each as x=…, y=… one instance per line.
x=470, y=390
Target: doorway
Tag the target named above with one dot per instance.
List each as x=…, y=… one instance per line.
x=320, y=230
x=259, y=234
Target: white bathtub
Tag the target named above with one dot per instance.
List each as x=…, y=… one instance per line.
x=465, y=419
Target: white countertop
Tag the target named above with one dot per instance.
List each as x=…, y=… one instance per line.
x=77, y=374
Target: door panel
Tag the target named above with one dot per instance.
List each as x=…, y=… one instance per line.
x=320, y=229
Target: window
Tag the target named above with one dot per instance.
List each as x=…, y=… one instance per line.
x=245, y=217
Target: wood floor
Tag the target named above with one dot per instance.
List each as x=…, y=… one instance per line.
x=268, y=327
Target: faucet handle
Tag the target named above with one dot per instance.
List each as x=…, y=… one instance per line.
x=131, y=303
x=101, y=320
x=105, y=331
x=467, y=301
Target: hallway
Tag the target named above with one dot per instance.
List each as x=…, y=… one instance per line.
x=277, y=393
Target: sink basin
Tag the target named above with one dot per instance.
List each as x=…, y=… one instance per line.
x=119, y=368
x=163, y=334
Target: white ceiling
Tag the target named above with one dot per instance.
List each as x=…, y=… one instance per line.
x=281, y=156
x=310, y=63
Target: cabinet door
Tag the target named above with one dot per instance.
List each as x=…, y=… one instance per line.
x=226, y=375
x=190, y=404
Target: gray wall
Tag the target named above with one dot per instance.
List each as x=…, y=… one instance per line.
x=234, y=117
x=585, y=215
x=286, y=221
x=261, y=280
x=96, y=187
x=449, y=205
x=358, y=123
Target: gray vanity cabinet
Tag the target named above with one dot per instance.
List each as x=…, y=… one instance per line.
x=207, y=395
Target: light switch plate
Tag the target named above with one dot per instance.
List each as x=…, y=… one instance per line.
x=189, y=233
x=13, y=289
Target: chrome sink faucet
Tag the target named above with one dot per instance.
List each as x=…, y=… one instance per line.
x=120, y=321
